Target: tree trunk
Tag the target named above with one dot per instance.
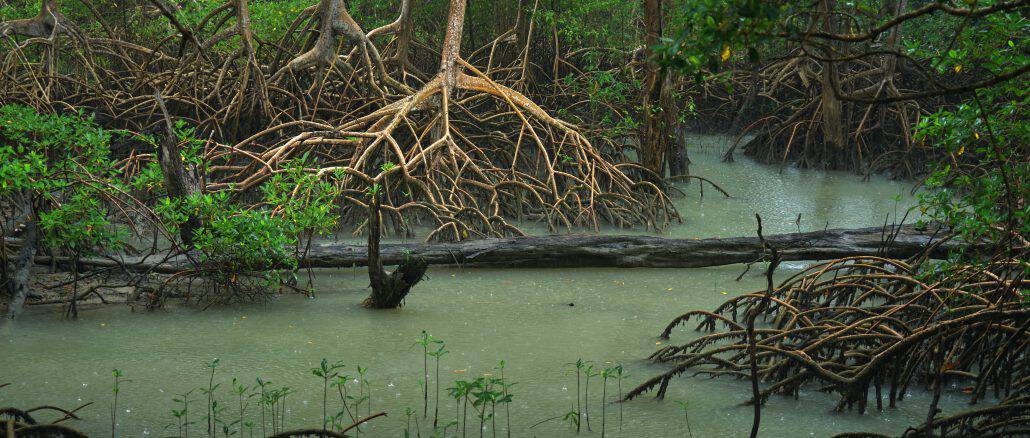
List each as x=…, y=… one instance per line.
x=832, y=117
x=452, y=43
x=178, y=183
x=388, y=290
x=22, y=266
x=655, y=142
x=592, y=251
x=40, y=26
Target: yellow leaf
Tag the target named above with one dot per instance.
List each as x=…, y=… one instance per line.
x=669, y=289
x=724, y=293
x=725, y=53
x=977, y=135
x=961, y=149
x=958, y=69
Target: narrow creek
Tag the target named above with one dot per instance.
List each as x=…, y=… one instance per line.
x=523, y=317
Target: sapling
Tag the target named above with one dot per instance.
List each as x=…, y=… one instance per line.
x=114, y=402
x=605, y=374
x=686, y=415
x=210, y=397
x=341, y=388
x=326, y=372
x=588, y=373
x=507, y=398
x=240, y=390
x=460, y=392
x=619, y=374
x=407, y=422
x=423, y=341
x=436, y=356
x=263, y=401
x=578, y=364
x=183, y=416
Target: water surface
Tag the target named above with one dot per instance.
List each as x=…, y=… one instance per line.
x=521, y=316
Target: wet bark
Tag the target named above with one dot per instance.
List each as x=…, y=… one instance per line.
x=178, y=183
x=42, y=25
x=22, y=265
x=592, y=251
x=654, y=143
x=832, y=117
x=388, y=289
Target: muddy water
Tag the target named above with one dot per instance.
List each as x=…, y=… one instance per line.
x=521, y=316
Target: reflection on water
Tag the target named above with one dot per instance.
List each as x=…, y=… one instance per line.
x=521, y=316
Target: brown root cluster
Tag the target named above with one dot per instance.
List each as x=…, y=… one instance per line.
x=867, y=329
x=15, y=422
x=803, y=122
x=458, y=151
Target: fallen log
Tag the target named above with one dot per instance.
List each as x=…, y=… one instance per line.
x=604, y=251
x=601, y=251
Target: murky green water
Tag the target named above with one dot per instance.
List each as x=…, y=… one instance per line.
x=522, y=317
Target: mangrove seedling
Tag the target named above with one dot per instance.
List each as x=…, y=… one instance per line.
x=210, y=396
x=345, y=398
x=579, y=364
x=326, y=372
x=686, y=415
x=605, y=375
x=572, y=416
x=262, y=401
x=240, y=390
x=460, y=391
x=507, y=397
x=436, y=356
x=588, y=373
x=423, y=341
x=182, y=417
x=619, y=373
x=115, y=388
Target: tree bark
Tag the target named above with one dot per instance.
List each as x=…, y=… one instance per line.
x=592, y=251
x=41, y=26
x=655, y=142
x=388, y=290
x=832, y=117
x=178, y=184
x=22, y=266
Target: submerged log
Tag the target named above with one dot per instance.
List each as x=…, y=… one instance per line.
x=603, y=251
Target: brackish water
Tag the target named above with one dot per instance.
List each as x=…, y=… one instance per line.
x=484, y=315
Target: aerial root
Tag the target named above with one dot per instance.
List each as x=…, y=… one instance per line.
x=861, y=323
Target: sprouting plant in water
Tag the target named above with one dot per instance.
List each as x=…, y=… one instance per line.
x=619, y=372
x=326, y=371
x=210, y=393
x=341, y=388
x=262, y=401
x=578, y=366
x=606, y=374
x=440, y=352
x=572, y=416
x=407, y=422
x=182, y=416
x=424, y=340
x=240, y=390
x=686, y=415
x=115, y=388
x=364, y=383
x=460, y=391
x=505, y=386
x=589, y=372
